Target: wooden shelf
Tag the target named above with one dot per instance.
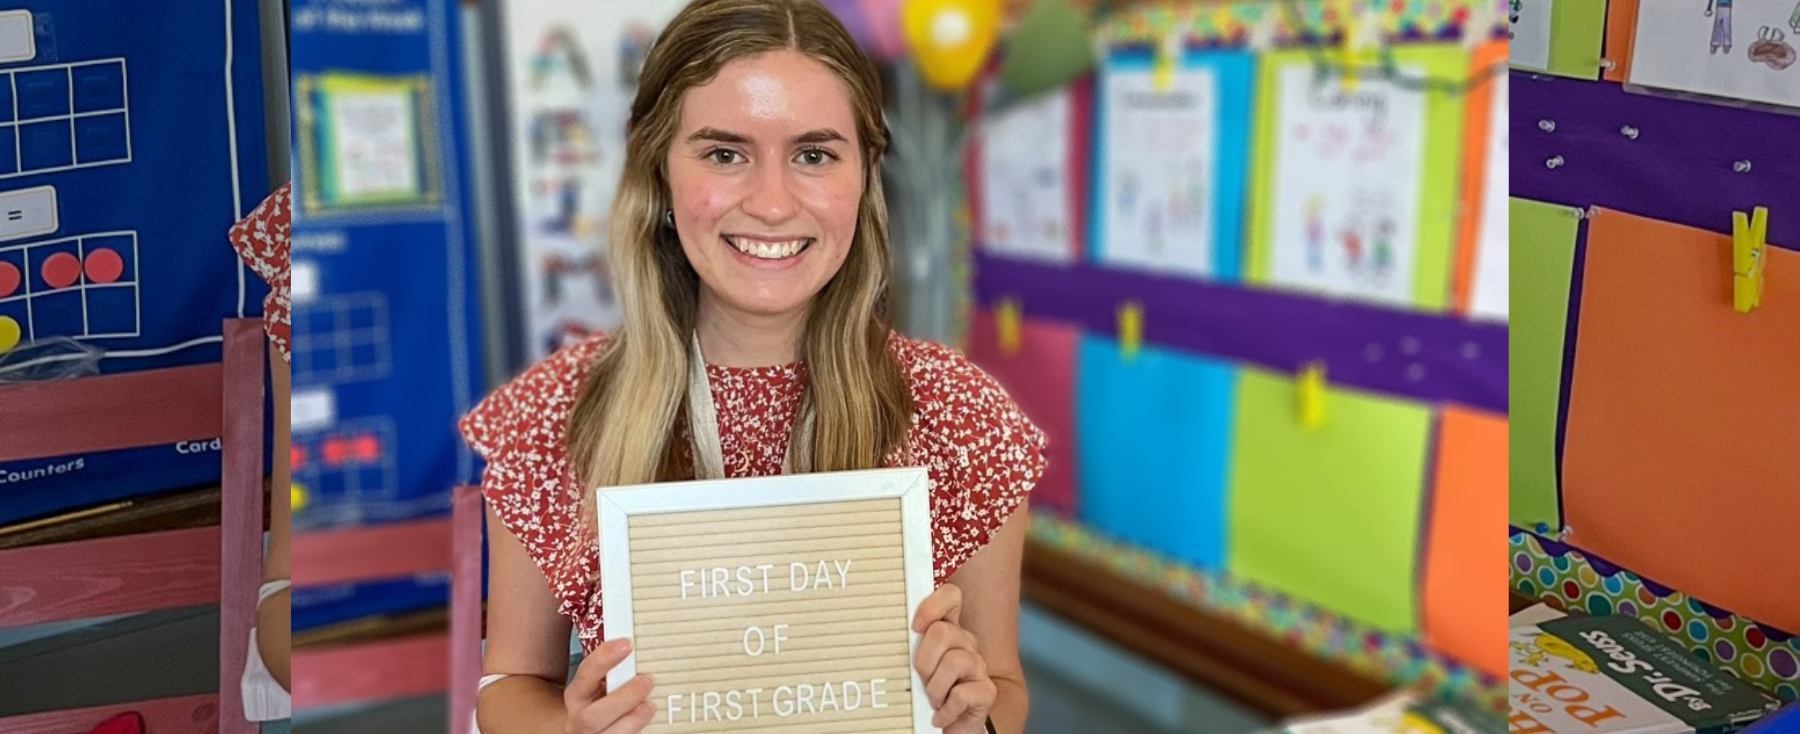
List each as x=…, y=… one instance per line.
x=1259, y=673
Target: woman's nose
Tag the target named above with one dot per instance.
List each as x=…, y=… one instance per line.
x=771, y=196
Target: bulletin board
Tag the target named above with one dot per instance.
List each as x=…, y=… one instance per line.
x=1629, y=194
x=119, y=238
x=567, y=73
x=383, y=365
x=1358, y=537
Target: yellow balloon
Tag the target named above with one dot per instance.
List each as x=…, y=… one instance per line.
x=951, y=38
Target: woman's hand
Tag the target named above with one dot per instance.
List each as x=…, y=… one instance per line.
x=955, y=675
x=590, y=709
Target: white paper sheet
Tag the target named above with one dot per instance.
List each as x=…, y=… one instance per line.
x=1025, y=181
x=1159, y=173
x=1742, y=49
x=1488, y=299
x=376, y=148
x=1530, y=31
x=1346, y=188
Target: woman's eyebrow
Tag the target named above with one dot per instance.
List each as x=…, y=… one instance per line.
x=810, y=137
x=822, y=135
x=716, y=135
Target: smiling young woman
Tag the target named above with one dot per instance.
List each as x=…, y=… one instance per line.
x=750, y=247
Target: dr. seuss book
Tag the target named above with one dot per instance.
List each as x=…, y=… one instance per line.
x=1614, y=675
x=1403, y=714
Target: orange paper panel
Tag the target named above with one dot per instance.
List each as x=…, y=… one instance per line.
x=1621, y=34
x=1465, y=573
x=1680, y=461
x=1475, y=155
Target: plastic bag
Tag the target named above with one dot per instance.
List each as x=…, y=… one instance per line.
x=57, y=358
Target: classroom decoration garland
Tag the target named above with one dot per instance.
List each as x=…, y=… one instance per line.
x=1766, y=657
x=1398, y=659
x=1299, y=21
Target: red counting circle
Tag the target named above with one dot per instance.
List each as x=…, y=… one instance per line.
x=9, y=279
x=104, y=266
x=61, y=270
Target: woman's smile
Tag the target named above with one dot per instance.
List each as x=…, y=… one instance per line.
x=767, y=252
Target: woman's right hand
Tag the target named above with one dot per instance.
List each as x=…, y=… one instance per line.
x=589, y=709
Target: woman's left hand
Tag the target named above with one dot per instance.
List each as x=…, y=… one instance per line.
x=951, y=665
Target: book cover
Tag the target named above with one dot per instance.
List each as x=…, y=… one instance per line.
x=1614, y=675
x=1404, y=714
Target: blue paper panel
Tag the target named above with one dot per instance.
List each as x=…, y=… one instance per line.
x=146, y=121
x=1155, y=438
x=1233, y=76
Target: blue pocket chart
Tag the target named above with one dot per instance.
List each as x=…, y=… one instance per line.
x=1155, y=441
x=132, y=136
x=386, y=301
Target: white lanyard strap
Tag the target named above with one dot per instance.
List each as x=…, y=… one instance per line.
x=703, y=423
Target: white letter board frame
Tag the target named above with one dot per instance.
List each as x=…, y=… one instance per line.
x=617, y=505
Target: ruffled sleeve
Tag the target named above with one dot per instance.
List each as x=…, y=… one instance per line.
x=521, y=431
x=986, y=455
x=263, y=242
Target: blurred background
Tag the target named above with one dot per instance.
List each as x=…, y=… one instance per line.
x=1230, y=256
x=1243, y=261
x=1239, y=259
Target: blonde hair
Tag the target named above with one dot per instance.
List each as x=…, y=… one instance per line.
x=623, y=428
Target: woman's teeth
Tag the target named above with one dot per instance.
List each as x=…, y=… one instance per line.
x=768, y=250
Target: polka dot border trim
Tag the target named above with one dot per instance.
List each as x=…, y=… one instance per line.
x=1763, y=656
x=1229, y=24
x=1400, y=660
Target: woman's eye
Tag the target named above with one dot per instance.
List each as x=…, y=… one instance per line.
x=723, y=157
x=815, y=157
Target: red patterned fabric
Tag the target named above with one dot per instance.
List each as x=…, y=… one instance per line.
x=982, y=455
x=262, y=241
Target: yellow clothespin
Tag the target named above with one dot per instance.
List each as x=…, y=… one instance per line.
x=1168, y=57
x=1312, y=396
x=1749, y=243
x=1361, y=39
x=1131, y=329
x=1009, y=323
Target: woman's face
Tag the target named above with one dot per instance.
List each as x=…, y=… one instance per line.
x=766, y=177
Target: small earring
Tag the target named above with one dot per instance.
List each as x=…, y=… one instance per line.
x=669, y=218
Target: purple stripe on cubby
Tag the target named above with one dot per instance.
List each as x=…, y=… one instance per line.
x=1365, y=347
x=1681, y=167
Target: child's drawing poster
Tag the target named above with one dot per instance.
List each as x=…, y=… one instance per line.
x=1529, y=31
x=1742, y=49
x=1357, y=185
x=572, y=70
x=1027, y=197
x=1169, y=164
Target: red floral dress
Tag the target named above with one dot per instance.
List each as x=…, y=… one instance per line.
x=262, y=240
x=982, y=455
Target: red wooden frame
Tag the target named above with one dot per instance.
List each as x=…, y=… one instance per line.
x=148, y=571
x=184, y=715
x=409, y=666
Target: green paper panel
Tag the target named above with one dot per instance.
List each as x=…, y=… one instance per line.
x=1577, y=33
x=1542, y=242
x=1331, y=515
x=1441, y=158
